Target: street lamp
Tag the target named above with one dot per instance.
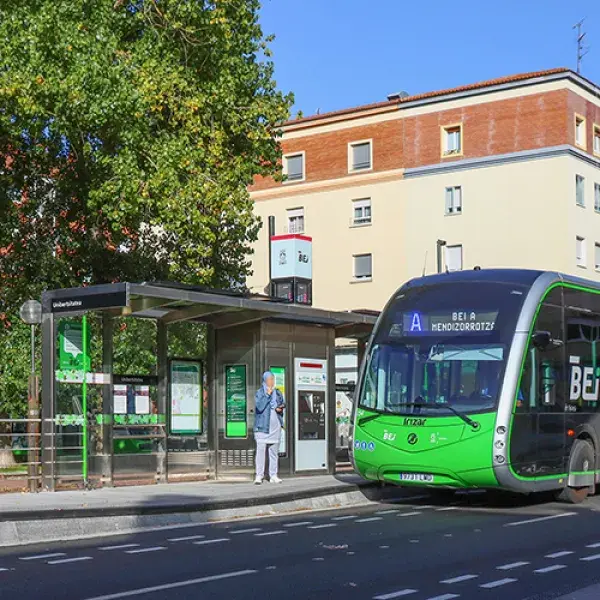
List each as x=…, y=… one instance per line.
x=31, y=314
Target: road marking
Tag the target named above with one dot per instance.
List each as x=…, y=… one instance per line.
x=410, y=514
x=121, y=547
x=597, y=545
x=345, y=518
x=514, y=565
x=387, y=512
x=446, y=508
x=264, y=534
x=540, y=519
x=444, y=597
x=251, y=530
x=318, y=559
x=324, y=526
x=369, y=519
x=497, y=583
x=42, y=556
x=177, y=584
x=144, y=550
x=550, y=569
x=399, y=594
x=592, y=557
x=459, y=579
x=187, y=538
x=3, y=570
x=299, y=524
x=559, y=554
x=423, y=506
x=215, y=541
x=64, y=561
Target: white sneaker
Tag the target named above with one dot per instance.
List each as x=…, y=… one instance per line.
x=258, y=481
x=275, y=479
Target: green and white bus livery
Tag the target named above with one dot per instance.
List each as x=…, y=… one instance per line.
x=483, y=379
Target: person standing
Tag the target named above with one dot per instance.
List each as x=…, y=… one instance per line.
x=269, y=405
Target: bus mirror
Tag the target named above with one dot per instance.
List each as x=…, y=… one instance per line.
x=543, y=340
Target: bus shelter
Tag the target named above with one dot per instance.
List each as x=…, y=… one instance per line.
x=155, y=382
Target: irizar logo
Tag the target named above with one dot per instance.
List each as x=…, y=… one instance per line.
x=283, y=257
x=584, y=385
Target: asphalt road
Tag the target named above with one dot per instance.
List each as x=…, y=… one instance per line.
x=472, y=547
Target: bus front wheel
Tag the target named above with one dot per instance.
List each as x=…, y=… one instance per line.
x=582, y=460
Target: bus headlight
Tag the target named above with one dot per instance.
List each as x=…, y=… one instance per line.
x=501, y=430
x=499, y=458
x=499, y=444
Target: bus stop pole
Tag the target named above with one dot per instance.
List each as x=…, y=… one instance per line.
x=107, y=406
x=163, y=384
x=48, y=401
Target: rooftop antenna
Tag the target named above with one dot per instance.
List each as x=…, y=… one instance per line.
x=425, y=263
x=582, y=50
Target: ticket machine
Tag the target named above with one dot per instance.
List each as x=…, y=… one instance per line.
x=310, y=393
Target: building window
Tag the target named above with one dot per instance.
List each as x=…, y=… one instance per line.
x=360, y=156
x=597, y=140
x=361, y=212
x=454, y=258
x=597, y=197
x=580, y=131
x=452, y=140
x=580, y=190
x=295, y=218
x=597, y=256
x=453, y=200
x=293, y=167
x=363, y=266
x=580, y=251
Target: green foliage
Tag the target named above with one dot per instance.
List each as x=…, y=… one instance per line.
x=131, y=130
x=14, y=369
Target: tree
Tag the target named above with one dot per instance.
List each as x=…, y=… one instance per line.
x=130, y=131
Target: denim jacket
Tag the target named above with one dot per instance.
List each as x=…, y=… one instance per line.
x=262, y=402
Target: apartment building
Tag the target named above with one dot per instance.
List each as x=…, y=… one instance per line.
x=506, y=172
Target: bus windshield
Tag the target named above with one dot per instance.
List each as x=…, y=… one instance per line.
x=442, y=346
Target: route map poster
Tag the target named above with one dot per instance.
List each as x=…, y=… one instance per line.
x=236, y=402
x=186, y=397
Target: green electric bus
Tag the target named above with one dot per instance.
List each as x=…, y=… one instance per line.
x=483, y=379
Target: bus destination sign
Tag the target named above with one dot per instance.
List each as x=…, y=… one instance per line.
x=456, y=321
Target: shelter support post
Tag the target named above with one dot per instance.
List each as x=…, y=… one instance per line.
x=107, y=402
x=163, y=383
x=48, y=402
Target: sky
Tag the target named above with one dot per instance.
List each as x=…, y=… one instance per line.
x=336, y=54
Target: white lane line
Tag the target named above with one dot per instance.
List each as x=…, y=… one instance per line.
x=251, y=530
x=497, y=583
x=596, y=545
x=398, y=594
x=63, y=561
x=187, y=538
x=540, y=519
x=514, y=565
x=345, y=518
x=42, y=556
x=592, y=557
x=550, y=569
x=177, y=584
x=444, y=597
x=266, y=533
x=446, y=508
x=423, y=506
x=3, y=570
x=410, y=514
x=121, y=547
x=459, y=579
x=369, y=519
x=299, y=524
x=206, y=542
x=144, y=550
x=387, y=512
x=324, y=526
x=560, y=554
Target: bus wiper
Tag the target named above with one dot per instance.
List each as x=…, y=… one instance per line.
x=474, y=424
x=368, y=418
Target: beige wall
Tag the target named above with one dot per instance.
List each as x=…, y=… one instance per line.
x=514, y=215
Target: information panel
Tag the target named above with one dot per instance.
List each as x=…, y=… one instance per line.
x=186, y=397
x=236, y=402
x=279, y=374
x=451, y=322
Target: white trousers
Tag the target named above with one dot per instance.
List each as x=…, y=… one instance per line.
x=273, y=459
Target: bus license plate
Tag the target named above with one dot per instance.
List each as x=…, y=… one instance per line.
x=424, y=477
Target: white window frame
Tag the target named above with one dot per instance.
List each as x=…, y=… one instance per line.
x=295, y=213
x=597, y=197
x=363, y=221
x=453, y=207
x=580, y=179
x=285, y=171
x=351, y=146
x=362, y=277
x=453, y=247
x=596, y=140
x=445, y=134
x=580, y=257
x=580, y=128
x=597, y=256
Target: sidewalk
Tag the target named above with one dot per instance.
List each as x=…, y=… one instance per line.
x=45, y=517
